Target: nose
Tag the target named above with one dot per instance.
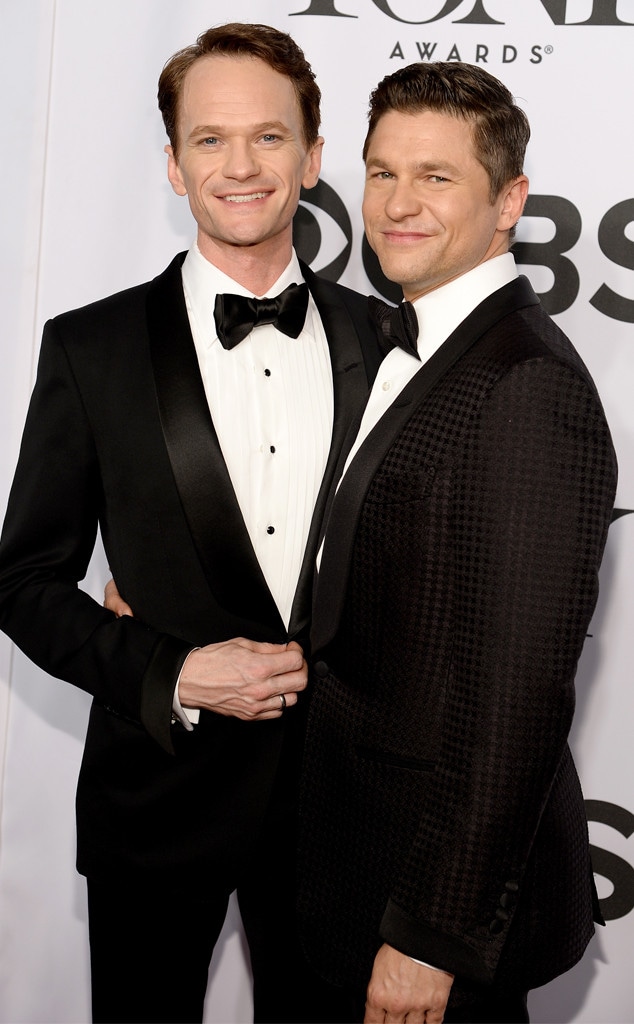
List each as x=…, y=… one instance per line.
x=240, y=160
x=402, y=201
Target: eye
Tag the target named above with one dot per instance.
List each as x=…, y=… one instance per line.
x=438, y=179
x=210, y=141
x=322, y=231
x=270, y=138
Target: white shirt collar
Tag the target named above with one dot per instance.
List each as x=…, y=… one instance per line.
x=202, y=281
x=440, y=311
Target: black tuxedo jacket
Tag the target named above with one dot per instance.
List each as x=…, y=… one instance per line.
x=441, y=810
x=119, y=436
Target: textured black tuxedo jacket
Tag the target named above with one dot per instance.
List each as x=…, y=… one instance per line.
x=119, y=435
x=441, y=810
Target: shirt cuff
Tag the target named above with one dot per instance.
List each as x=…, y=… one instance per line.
x=431, y=966
x=188, y=717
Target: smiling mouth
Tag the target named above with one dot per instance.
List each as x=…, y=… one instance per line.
x=404, y=235
x=404, y=238
x=244, y=199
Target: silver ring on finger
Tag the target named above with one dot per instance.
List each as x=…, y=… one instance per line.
x=282, y=701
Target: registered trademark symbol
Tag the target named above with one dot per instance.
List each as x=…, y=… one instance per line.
x=548, y=49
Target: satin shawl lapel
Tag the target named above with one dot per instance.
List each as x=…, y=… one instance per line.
x=346, y=508
x=206, y=492
x=350, y=387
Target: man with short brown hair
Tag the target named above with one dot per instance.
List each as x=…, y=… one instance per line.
x=195, y=419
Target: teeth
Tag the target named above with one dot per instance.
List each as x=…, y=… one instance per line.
x=245, y=199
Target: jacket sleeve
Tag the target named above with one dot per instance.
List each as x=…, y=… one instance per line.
x=49, y=533
x=534, y=488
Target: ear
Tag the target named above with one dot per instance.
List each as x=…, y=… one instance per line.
x=174, y=173
x=313, y=164
x=512, y=201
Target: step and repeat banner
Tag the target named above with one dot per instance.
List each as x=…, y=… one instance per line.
x=86, y=210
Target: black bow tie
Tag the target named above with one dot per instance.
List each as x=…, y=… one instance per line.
x=237, y=315
x=399, y=325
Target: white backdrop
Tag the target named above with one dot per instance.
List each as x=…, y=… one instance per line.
x=86, y=209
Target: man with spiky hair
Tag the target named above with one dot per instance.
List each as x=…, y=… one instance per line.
x=444, y=867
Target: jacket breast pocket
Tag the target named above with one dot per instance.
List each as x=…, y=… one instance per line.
x=393, y=487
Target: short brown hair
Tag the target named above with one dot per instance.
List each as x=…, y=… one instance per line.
x=500, y=128
x=238, y=39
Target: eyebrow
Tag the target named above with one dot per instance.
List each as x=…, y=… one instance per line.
x=419, y=167
x=218, y=129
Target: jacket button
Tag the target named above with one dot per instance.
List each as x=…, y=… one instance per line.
x=496, y=926
x=511, y=885
x=321, y=669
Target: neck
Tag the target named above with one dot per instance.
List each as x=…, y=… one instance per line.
x=255, y=267
x=499, y=245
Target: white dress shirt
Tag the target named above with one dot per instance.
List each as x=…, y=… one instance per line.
x=439, y=313
x=271, y=402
